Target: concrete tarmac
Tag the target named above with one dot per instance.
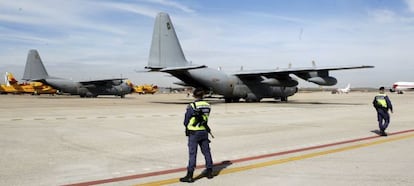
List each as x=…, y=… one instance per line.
x=314, y=139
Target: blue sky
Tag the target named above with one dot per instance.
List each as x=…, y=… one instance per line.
x=93, y=39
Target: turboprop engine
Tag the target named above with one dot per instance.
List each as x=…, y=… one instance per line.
x=318, y=77
x=289, y=82
x=326, y=81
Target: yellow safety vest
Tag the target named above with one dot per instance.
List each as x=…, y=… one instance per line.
x=203, y=105
x=380, y=98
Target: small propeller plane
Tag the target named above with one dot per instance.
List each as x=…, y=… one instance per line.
x=12, y=86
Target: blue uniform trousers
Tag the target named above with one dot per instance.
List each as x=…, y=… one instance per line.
x=383, y=119
x=196, y=138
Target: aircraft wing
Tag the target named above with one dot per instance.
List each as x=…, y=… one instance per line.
x=280, y=77
x=103, y=82
x=294, y=70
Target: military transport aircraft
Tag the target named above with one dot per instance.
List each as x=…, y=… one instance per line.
x=167, y=56
x=36, y=71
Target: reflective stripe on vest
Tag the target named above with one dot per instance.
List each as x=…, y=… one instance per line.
x=205, y=107
x=380, y=98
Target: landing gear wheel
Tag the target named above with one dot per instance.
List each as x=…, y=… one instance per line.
x=231, y=100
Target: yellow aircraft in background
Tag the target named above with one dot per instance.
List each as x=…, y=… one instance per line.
x=14, y=87
x=145, y=89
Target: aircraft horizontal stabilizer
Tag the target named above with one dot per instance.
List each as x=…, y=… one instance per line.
x=181, y=83
x=185, y=68
x=146, y=70
x=151, y=69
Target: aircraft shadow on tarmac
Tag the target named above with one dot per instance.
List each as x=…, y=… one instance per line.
x=185, y=102
x=171, y=102
x=77, y=97
x=273, y=102
x=313, y=103
x=216, y=169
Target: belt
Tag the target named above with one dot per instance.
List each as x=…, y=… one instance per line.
x=195, y=131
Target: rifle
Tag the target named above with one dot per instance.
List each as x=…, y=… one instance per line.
x=207, y=128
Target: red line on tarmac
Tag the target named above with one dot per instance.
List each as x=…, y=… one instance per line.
x=150, y=174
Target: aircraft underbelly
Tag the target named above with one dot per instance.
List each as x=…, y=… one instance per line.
x=64, y=86
x=107, y=90
x=257, y=91
x=214, y=80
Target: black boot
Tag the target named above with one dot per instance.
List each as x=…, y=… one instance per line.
x=209, y=173
x=188, y=178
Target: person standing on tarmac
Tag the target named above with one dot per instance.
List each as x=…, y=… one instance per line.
x=382, y=104
x=196, y=128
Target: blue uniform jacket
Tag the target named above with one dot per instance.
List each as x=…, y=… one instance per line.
x=389, y=105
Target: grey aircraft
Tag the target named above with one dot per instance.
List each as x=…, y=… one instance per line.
x=166, y=55
x=36, y=71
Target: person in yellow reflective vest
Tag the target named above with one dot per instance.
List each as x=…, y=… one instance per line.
x=382, y=104
x=195, y=122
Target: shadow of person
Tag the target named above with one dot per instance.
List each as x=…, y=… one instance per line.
x=378, y=132
x=216, y=169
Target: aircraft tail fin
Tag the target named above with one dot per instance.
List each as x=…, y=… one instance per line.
x=34, y=69
x=165, y=49
x=6, y=80
x=10, y=80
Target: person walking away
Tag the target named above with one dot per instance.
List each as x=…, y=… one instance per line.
x=382, y=104
x=195, y=122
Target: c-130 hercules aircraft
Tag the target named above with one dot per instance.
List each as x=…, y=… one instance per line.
x=166, y=55
x=36, y=71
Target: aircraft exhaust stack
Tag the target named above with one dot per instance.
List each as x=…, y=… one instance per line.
x=165, y=49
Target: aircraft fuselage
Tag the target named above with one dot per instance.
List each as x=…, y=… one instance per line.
x=232, y=88
x=77, y=88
